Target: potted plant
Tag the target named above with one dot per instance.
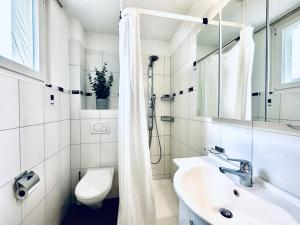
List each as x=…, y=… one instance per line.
x=101, y=86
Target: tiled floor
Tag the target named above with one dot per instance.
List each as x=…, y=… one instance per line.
x=82, y=215
x=166, y=202
x=166, y=209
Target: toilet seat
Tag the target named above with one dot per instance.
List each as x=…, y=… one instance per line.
x=95, y=185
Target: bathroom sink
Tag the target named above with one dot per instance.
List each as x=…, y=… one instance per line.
x=207, y=192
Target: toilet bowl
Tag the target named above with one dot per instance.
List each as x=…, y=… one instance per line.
x=93, y=188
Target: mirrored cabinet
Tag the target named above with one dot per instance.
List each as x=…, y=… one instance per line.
x=255, y=75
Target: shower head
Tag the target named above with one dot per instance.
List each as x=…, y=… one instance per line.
x=152, y=59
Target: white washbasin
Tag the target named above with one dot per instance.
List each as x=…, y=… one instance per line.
x=205, y=191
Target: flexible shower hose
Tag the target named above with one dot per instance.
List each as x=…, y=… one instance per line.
x=150, y=137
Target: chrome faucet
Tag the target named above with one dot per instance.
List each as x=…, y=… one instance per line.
x=245, y=171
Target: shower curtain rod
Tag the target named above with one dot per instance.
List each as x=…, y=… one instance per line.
x=187, y=18
x=226, y=45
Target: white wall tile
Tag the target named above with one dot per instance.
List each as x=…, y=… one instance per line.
x=10, y=208
x=195, y=132
x=155, y=147
x=109, y=114
x=210, y=134
x=10, y=155
x=75, y=79
x=93, y=59
x=32, y=146
x=75, y=103
x=167, y=65
x=64, y=109
x=75, y=157
x=51, y=108
x=89, y=114
x=9, y=97
x=159, y=84
x=289, y=106
x=109, y=153
x=64, y=133
x=53, y=206
x=37, y=194
x=112, y=60
x=86, y=135
x=52, y=172
x=90, y=155
x=65, y=162
x=74, y=52
x=237, y=141
x=31, y=103
x=158, y=169
x=51, y=138
x=184, y=131
x=276, y=159
x=37, y=216
x=113, y=135
x=75, y=132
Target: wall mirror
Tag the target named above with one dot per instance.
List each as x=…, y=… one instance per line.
x=208, y=70
x=241, y=97
x=284, y=78
x=242, y=82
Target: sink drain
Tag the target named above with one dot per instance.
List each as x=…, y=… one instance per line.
x=226, y=213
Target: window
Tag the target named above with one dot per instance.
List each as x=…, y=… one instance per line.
x=291, y=51
x=285, y=62
x=19, y=27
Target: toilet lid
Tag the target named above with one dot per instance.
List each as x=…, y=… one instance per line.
x=95, y=183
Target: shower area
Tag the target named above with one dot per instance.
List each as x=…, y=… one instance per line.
x=158, y=103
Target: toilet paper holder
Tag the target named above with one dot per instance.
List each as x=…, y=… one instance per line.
x=25, y=183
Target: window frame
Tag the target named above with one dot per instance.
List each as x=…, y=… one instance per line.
x=20, y=69
x=277, y=53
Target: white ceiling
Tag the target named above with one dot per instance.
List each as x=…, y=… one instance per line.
x=103, y=15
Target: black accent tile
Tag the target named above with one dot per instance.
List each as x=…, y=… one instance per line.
x=89, y=94
x=205, y=20
x=75, y=92
x=181, y=92
x=49, y=85
x=255, y=94
x=61, y=89
x=174, y=94
x=191, y=89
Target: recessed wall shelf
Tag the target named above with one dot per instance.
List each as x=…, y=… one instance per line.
x=167, y=98
x=167, y=118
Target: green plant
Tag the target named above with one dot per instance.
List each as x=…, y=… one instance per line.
x=99, y=84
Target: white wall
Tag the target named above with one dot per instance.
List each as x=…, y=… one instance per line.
x=58, y=45
x=35, y=135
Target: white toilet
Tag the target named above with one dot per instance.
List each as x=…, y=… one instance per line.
x=94, y=186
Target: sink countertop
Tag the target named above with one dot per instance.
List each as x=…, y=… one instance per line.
x=261, y=188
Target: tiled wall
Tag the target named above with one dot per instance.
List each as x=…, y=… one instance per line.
x=272, y=148
x=161, y=71
x=34, y=135
x=90, y=150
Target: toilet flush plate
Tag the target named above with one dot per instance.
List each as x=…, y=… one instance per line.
x=100, y=128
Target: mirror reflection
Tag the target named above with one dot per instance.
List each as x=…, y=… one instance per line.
x=284, y=78
x=208, y=71
x=243, y=60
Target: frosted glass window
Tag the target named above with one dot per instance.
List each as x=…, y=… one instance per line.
x=19, y=40
x=291, y=49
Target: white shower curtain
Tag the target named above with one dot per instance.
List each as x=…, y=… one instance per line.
x=137, y=205
x=237, y=66
x=207, y=104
